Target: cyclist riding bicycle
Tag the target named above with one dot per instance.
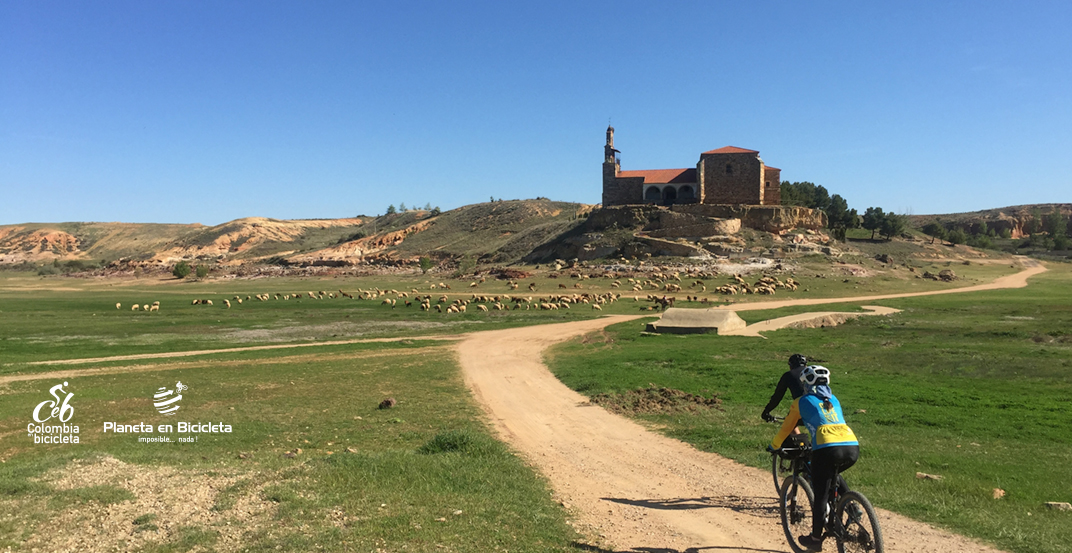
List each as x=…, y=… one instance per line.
x=834, y=445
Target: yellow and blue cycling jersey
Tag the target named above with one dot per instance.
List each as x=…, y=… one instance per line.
x=826, y=426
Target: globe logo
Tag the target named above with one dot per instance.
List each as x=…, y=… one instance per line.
x=166, y=401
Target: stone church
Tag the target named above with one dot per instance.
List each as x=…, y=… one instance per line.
x=726, y=176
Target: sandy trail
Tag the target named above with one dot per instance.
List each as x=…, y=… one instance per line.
x=638, y=490
x=754, y=329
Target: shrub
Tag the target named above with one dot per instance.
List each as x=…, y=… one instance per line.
x=202, y=271
x=457, y=441
x=957, y=236
x=181, y=270
x=426, y=264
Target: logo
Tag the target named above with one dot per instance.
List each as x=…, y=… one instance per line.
x=59, y=410
x=167, y=401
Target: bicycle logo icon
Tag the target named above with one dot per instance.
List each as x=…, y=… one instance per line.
x=60, y=409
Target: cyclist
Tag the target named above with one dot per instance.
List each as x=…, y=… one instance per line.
x=834, y=445
x=790, y=381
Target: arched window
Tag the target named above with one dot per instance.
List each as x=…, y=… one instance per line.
x=669, y=194
x=652, y=194
x=729, y=169
x=685, y=193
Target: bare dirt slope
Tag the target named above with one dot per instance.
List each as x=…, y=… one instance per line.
x=635, y=489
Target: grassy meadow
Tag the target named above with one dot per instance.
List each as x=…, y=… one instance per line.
x=972, y=387
x=426, y=475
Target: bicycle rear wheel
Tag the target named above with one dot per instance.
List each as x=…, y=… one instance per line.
x=858, y=530
x=794, y=503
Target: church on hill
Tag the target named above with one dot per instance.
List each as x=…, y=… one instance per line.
x=728, y=175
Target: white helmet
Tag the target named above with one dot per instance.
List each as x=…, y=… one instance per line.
x=815, y=375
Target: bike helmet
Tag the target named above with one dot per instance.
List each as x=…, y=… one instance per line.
x=797, y=361
x=815, y=375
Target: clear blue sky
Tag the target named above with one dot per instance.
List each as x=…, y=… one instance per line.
x=186, y=111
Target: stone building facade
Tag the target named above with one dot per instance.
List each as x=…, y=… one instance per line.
x=726, y=176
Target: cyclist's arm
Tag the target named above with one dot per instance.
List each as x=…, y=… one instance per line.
x=779, y=393
x=788, y=424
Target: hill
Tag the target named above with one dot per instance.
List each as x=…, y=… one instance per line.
x=500, y=232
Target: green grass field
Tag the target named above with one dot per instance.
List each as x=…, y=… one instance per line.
x=973, y=387
x=426, y=475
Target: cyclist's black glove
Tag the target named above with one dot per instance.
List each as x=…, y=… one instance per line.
x=767, y=416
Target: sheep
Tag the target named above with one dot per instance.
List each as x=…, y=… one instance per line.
x=156, y=303
x=483, y=308
x=208, y=302
x=227, y=303
x=596, y=307
x=145, y=307
x=154, y=307
x=135, y=307
x=118, y=305
x=195, y=302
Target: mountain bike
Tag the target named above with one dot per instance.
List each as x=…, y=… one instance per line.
x=850, y=518
x=781, y=466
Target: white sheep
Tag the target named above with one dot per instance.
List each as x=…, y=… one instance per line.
x=118, y=305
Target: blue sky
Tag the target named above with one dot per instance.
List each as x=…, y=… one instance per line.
x=205, y=112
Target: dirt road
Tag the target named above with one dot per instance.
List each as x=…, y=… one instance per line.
x=635, y=489
x=638, y=490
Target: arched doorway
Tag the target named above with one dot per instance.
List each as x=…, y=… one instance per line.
x=652, y=194
x=669, y=194
x=686, y=193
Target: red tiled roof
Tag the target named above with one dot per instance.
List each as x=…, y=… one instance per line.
x=772, y=168
x=662, y=176
x=732, y=150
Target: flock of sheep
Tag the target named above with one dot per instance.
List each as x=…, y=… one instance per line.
x=155, y=306
x=669, y=282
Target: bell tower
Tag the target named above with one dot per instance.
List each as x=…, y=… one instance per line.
x=611, y=166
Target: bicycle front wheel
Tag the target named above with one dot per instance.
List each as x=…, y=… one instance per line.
x=858, y=530
x=794, y=502
x=780, y=468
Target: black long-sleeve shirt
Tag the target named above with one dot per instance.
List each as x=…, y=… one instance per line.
x=790, y=382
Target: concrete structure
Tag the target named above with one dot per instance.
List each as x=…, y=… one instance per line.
x=727, y=176
x=677, y=320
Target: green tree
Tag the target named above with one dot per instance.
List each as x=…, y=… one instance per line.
x=435, y=211
x=202, y=271
x=1054, y=223
x=181, y=270
x=893, y=225
x=840, y=217
x=402, y=206
x=934, y=229
x=873, y=219
x=428, y=206
x=391, y=209
x=957, y=236
x=981, y=229
x=426, y=264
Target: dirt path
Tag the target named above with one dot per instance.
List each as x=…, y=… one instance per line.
x=1016, y=280
x=638, y=490
x=835, y=317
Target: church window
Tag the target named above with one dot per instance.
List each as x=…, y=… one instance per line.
x=729, y=169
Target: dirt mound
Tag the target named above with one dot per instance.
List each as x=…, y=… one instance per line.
x=656, y=400
x=19, y=244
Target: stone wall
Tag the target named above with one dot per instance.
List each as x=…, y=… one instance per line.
x=769, y=218
x=618, y=191
x=731, y=178
x=772, y=186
